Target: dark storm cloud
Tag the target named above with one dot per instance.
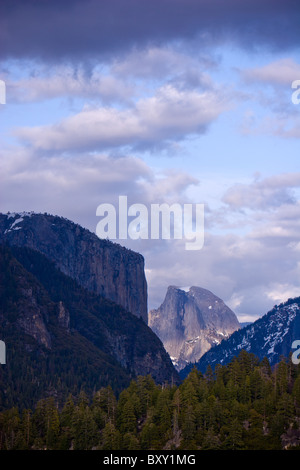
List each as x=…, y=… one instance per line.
x=52, y=29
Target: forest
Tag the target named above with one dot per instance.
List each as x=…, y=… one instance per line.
x=244, y=405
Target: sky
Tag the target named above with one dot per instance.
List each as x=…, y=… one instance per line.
x=169, y=101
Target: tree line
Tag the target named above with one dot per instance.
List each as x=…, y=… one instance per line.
x=245, y=404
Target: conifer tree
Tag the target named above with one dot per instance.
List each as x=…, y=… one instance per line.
x=127, y=422
x=234, y=439
x=111, y=437
x=211, y=441
x=27, y=428
x=296, y=392
x=84, y=428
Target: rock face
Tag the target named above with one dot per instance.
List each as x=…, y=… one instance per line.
x=60, y=337
x=190, y=323
x=270, y=336
x=99, y=265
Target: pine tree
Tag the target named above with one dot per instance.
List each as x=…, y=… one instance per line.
x=163, y=414
x=281, y=378
x=111, y=437
x=211, y=441
x=209, y=377
x=26, y=427
x=130, y=442
x=127, y=422
x=147, y=392
x=10, y=427
x=245, y=391
x=67, y=412
x=188, y=425
x=84, y=429
x=52, y=428
x=234, y=440
x=104, y=406
x=256, y=384
x=254, y=438
x=296, y=392
x=149, y=436
x=46, y=421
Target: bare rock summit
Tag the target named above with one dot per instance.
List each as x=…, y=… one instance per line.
x=190, y=322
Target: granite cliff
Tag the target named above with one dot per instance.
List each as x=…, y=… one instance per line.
x=190, y=323
x=98, y=265
x=60, y=338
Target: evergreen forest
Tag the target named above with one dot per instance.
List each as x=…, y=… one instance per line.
x=244, y=405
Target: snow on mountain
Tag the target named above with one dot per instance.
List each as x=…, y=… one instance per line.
x=270, y=336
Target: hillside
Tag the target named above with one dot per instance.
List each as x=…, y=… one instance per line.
x=61, y=338
x=270, y=336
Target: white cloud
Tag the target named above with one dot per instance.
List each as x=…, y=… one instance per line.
x=263, y=194
x=74, y=186
x=234, y=301
x=65, y=81
x=170, y=114
x=279, y=293
x=280, y=72
x=166, y=64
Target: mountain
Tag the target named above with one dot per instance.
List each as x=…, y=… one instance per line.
x=270, y=336
x=245, y=323
x=98, y=265
x=189, y=323
x=61, y=338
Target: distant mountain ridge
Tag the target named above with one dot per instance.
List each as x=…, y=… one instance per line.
x=190, y=322
x=100, y=266
x=270, y=336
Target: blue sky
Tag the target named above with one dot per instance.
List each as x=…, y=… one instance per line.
x=179, y=101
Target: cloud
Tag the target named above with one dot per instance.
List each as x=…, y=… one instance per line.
x=281, y=292
x=71, y=187
x=281, y=72
x=50, y=30
x=147, y=73
x=168, y=187
x=264, y=194
x=244, y=272
x=170, y=114
x=271, y=96
x=245, y=268
x=249, y=271
x=66, y=81
x=74, y=186
x=284, y=123
x=115, y=82
x=169, y=64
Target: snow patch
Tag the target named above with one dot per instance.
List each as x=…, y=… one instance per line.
x=20, y=217
x=17, y=221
